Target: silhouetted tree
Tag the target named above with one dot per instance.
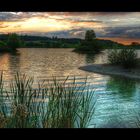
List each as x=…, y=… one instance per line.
x=2, y=44
x=90, y=44
x=13, y=41
x=135, y=43
x=3, y=47
x=90, y=35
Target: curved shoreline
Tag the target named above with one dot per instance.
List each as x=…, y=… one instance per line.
x=107, y=69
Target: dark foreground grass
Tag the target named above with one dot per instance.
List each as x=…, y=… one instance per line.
x=53, y=104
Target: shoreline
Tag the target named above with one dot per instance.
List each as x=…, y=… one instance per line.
x=107, y=69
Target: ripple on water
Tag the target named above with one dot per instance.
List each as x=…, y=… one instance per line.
x=118, y=100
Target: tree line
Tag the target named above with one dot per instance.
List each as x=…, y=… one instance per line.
x=12, y=41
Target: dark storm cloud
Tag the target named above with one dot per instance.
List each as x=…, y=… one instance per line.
x=113, y=24
x=16, y=16
x=76, y=20
x=126, y=32
x=19, y=16
x=123, y=32
x=87, y=20
x=73, y=33
x=7, y=16
x=130, y=32
x=88, y=13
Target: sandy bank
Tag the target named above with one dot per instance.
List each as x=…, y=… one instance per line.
x=107, y=69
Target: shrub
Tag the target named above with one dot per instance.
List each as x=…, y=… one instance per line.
x=127, y=58
x=14, y=41
x=3, y=47
x=90, y=44
x=113, y=57
x=89, y=47
x=2, y=44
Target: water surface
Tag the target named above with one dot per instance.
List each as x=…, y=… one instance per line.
x=118, y=103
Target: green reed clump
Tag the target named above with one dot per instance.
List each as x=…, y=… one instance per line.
x=52, y=104
x=126, y=58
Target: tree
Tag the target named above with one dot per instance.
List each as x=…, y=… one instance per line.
x=13, y=41
x=135, y=43
x=90, y=35
x=90, y=44
x=2, y=44
x=3, y=47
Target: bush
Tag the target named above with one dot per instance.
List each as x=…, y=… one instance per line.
x=14, y=41
x=89, y=46
x=3, y=47
x=127, y=58
x=2, y=44
x=113, y=57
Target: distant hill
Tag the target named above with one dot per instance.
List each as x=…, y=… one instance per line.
x=41, y=38
x=55, y=42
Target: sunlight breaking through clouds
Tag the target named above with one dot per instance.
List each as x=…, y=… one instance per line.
x=46, y=23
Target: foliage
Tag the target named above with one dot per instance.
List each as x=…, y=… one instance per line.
x=3, y=47
x=53, y=104
x=90, y=44
x=135, y=43
x=2, y=44
x=54, y=42
x=125, y=57
x=13, y=41
x=90, y=35
x=89, y=47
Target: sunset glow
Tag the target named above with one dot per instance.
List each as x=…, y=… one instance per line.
x=72, y=24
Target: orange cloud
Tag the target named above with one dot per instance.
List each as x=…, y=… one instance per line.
x=43, y=24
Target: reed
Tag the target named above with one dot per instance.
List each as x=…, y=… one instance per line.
x=53, y=104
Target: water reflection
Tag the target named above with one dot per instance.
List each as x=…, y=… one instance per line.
x=3, y=61
x=43, y=63
x=89, y=58
x=123, y=86
x=9, y=64
x=14, y=62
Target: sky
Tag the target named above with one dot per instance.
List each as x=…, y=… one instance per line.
x=72, y=24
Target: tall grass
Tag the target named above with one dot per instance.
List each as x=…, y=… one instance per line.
x=53, y=104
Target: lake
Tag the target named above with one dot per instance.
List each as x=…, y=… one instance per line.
x=118, y=102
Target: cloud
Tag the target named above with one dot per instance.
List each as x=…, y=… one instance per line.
x=2, y=25
x=7, y=16
x=121, y=32
x=89, y=13
x=72, y=24
x=19, y=16
x=72, y=33
x=127, y=32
